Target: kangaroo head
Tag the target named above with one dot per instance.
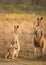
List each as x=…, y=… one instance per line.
x=16, y=28
x=39, y=21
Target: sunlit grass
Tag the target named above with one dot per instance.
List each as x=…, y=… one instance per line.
x=21, y=16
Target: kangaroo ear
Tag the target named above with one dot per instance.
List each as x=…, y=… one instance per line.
x=38, y=22
x=17, y=26
x=38, y=19
x=14, y=26
x=41, y=18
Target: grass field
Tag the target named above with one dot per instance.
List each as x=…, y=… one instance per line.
x=26, y=22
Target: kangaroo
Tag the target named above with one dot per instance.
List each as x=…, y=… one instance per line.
x=15, y=46
x=39, y=40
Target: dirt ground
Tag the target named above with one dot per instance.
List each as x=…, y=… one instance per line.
x=23, y=61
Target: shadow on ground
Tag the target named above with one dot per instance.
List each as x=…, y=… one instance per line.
x=35, y=58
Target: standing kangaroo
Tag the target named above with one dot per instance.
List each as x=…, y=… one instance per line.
x=39, y=40
x=15, y=46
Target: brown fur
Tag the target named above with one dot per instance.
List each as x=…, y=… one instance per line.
x=39, y=40
x=11, y=52
x=15, y=46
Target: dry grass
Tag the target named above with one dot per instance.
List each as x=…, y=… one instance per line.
x=25, y=21
x=19, y=16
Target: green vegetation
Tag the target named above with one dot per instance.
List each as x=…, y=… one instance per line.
x=22, y=9
x=28, y=6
